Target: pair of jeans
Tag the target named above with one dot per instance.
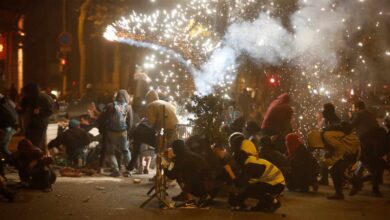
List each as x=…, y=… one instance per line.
x=5, y=138
x=337, y=172
x=116, y=142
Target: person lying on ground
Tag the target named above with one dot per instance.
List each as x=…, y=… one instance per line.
x=33, y=167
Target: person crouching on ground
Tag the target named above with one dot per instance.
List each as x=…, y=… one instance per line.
x=259, y=179
x=191, y=172
x=304, y=167
x=33, y=167
x=75, y=140
x=343, y=149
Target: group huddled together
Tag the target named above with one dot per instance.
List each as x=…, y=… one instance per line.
x=259, y=160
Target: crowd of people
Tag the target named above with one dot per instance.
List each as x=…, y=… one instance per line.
x=259, y=160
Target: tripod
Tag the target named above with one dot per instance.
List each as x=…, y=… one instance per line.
x=160, y=181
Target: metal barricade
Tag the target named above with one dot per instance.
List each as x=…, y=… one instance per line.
x=184, y=131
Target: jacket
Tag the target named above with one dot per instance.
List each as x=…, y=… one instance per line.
x=260, y=170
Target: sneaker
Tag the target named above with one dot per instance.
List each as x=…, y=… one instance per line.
x=115, y=174
x=336, y=196
x=126, y=174
x=190, y=204
x=179, y=198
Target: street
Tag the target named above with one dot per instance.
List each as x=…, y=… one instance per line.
x=119, y=198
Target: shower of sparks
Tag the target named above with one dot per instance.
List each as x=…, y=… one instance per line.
x=184, y=37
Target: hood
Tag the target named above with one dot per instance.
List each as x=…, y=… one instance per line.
x=292, y=143
x=179, y=147
x=151, y=96
x=122, y=96
x=31, y=90
x=329, y=110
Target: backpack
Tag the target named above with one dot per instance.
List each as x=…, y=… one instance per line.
x=8, y=115
x=116, y=118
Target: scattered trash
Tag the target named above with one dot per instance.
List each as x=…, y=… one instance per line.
x=284, y=215
x=136, y=181
x=101, y=188
x=87, y=199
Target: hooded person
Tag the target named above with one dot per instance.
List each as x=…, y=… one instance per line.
x=75, y=140
x=277, y=119
x=190, y=171
x=36, y=108
x=343, y=148
x=329, y=115
x=117, y=124
x=329, y=119
x=159, y=114
x=303, y=166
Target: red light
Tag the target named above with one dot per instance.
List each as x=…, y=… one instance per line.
x=63, y=61
x=74, y=82
x=272, y=80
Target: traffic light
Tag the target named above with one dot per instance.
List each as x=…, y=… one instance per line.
x=63, y=61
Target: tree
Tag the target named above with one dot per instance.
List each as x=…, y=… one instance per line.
x=208, y=111
x=82, y=47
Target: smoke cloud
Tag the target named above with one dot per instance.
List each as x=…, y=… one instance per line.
x=316, y=36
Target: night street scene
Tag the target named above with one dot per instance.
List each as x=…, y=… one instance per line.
x=194, y=109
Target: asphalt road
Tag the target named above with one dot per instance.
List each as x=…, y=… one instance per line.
x=118, y=198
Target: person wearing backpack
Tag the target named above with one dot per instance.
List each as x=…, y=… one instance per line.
x=8, y=124
x=118, y=120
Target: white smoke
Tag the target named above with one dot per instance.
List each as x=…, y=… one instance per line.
x=317, y=36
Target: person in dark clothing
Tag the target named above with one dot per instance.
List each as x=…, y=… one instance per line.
x=8, y=124
x=277, y=119
x=373, y=140
x=75, y=140
x=4, y=191
x=268, y=152
x=116, y=122
x=329, y=119
x=190, y=171
x=259, y=179
x=304, y=167
x=329, y=115
x=36, y=108
x=33, y=167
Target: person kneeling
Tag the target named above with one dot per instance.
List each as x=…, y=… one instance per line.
x=191, y=173
x=304, y=167
x=259, y=179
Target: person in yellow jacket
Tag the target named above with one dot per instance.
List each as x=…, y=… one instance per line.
x=258, y=179
x=343, y=148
